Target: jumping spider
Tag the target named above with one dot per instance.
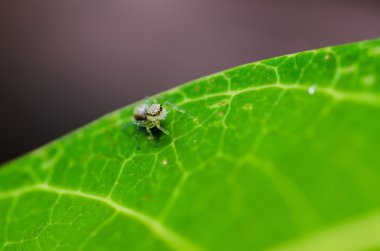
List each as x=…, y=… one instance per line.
x=150, y=115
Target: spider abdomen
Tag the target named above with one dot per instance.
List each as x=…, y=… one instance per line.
x=140, y=112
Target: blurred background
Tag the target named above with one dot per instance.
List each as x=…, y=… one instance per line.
x=65, y=63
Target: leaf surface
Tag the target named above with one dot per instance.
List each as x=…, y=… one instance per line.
x=281, y=154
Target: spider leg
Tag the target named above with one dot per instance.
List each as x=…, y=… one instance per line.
x=163, y=130
x=149, y=132
x=137, y=135
x=147, y=100
x=141, y=123
x=174, y=107
x=138, y=127
x=150, y=101
x=153, y=101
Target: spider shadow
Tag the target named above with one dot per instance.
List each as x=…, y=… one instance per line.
x=143, y=139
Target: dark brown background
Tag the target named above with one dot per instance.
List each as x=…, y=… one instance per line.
x=65, y=63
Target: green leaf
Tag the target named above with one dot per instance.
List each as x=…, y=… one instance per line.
x=282, y=154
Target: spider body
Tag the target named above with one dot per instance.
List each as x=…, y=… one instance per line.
x=150, y=115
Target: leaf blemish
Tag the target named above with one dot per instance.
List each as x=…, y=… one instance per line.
x=220, y=104
x=349, y=69
x=211, y=84
x=220, y=113
x=247, y=106
x=165, y=162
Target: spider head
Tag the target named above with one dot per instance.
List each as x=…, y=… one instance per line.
x=155, y=112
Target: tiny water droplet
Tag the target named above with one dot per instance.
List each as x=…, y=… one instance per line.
x=311, y=89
